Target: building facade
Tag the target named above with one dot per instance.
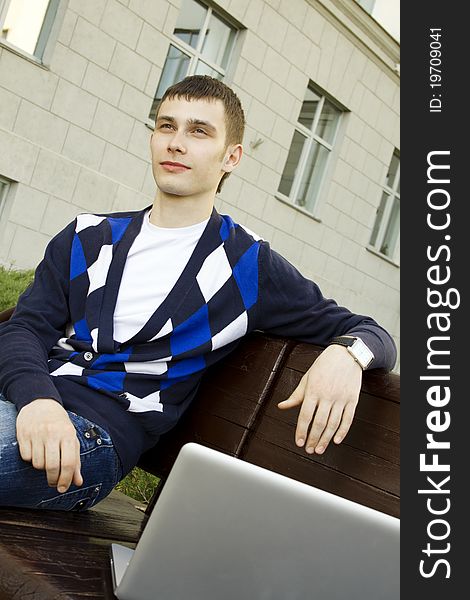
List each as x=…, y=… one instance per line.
x=319, y=82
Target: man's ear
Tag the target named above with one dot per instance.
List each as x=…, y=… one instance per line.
x=232, y=157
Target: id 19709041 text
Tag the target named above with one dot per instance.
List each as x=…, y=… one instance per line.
x=435, y=70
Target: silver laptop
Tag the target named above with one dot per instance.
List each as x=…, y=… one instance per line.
x=225, y=529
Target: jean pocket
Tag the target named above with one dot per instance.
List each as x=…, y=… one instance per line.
x=81, y=499
x=89, y=434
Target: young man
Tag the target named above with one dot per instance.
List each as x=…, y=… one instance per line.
x=106, y=349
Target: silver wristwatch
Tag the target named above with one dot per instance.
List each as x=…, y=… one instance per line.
x=356, y=348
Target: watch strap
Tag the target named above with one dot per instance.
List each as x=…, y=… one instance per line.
x=343, y=340
x=361, y=353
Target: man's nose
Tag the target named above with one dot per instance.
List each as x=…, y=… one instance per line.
x=176, y=143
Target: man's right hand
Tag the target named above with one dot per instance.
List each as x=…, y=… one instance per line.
x=47, y=438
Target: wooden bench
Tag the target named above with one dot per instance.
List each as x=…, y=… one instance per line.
x=65, y=555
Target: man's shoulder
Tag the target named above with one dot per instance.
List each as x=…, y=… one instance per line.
x=239, y=230
x=127, y=214
x=93, y=222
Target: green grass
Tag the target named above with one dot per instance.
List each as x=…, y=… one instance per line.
x=12, y=284
x=137, y=484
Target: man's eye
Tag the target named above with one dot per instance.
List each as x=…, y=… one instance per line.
x=199, y=130
x=165, y=126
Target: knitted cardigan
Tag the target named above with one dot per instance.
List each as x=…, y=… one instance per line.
x=59, y=342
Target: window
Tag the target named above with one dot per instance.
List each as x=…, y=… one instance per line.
x=27, y=25
x=310, y=150
x=386, y=231
x=4, y=184
x=202, y=45
x=367, y=5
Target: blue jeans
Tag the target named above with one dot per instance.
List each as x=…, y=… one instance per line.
x=22, y=485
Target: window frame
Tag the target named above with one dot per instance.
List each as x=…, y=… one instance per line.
x=311, y=138
x=5, y=185
x=195, y=54
x=48, y=32
x=392, y=194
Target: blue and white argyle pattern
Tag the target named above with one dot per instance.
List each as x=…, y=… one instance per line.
x=92, y=252
x=205, y=313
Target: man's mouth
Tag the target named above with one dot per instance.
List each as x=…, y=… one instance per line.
x=174, y=166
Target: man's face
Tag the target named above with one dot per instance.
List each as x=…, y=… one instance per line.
x=189, y=152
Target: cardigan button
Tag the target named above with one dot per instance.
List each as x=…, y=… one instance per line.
x=88, y=356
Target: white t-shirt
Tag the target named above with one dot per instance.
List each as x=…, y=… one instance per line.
x=154, y=264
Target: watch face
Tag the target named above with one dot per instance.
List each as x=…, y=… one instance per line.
x=361, y=353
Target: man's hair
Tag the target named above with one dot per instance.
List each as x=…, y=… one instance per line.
x=197, y=87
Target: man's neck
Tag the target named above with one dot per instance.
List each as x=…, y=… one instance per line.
x=180, y=211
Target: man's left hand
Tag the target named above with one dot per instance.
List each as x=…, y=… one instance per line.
x=328, y=394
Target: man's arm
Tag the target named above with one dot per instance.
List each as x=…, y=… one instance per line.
x=328, y=393
x=46, y=436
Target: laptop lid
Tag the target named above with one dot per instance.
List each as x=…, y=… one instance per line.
x=224, y=528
